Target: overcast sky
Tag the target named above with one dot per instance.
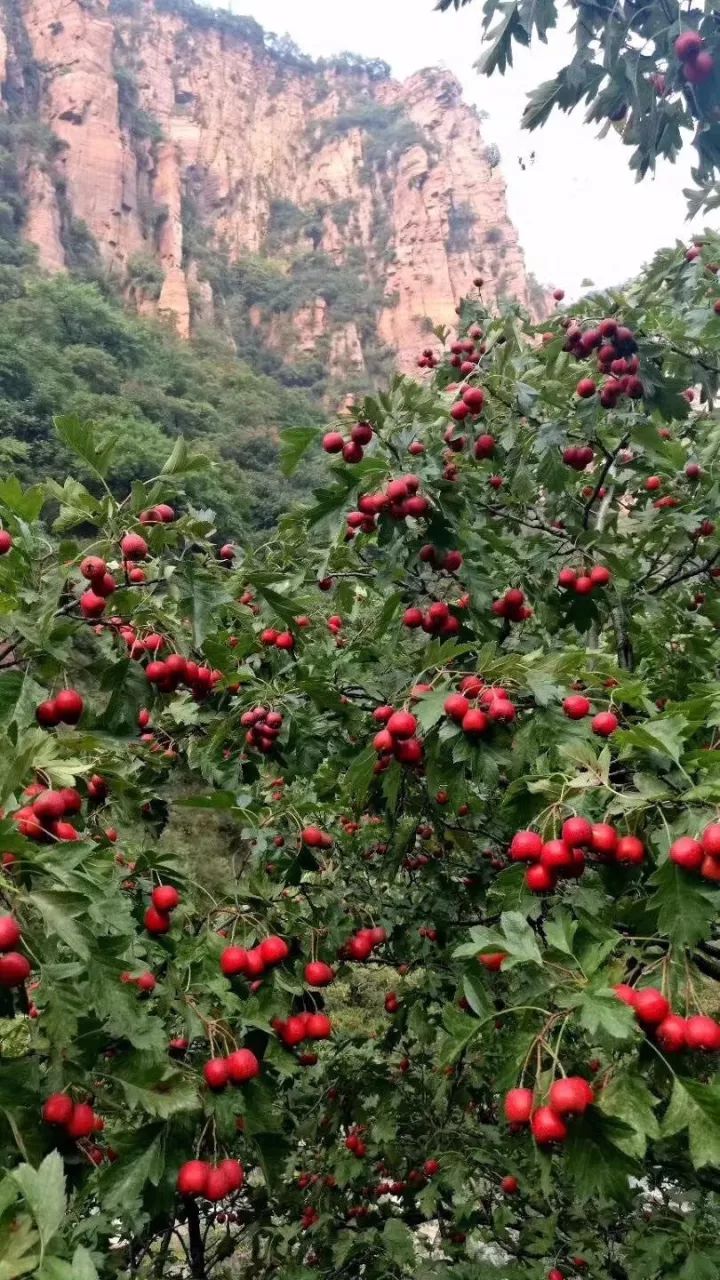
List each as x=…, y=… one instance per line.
x=578, y=210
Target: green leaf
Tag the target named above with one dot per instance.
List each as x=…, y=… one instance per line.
x=82, y=438
x=594, y=1161
x=83, y=1267
x=628, y=1098
x=398, y=1242
x=685, y=907
x=54, y=909
x=44, y=1193
x=429, y=708
x=601, y=1011
x=294, y=443
x=663, y=734
x=521, y=943
x=695, y=1107
x=141, y=1160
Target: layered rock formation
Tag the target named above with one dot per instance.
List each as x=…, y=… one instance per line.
x=331, y=210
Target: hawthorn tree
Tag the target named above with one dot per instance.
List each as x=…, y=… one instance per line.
x=651, y=71
x=460, y=716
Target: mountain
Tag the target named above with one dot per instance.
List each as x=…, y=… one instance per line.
x=320, y=214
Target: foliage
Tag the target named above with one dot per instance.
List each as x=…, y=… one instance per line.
x=64, y=342
x=628, y=72
x=385, y=1157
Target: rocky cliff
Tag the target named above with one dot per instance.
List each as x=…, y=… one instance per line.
x=322, y=211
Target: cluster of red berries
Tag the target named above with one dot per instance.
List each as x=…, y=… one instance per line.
x=254, y=962
x=302, y=1026
x=570, y=1096
x=165, y=898
x=512, y=606
x=671, y=1031
x=495, y=706
x=578, y=456
x=697, y=62
x=564, y=858
x=102, y=585
x=236, y=1068
x=391, y=1002
x=582, y=582
x=161, y=514
x=66, y=708
x=616, y=347
x=14, y=967
x=355, y=1143
x=351, y=449
x=428, y=359
x=277, y=639
x=397, y=739
x=145, y=982
x=362, y=943
x=464, y=354
x=399, y=499
x=263, y=727
x=448, y=561
x=309, y=1217
x=6, y=542
x=701, y=855
x=77, y=1118
x=436, y=620
x=212, y=1181
x=577, y=707
x=168, y=673
x=470, y=404
x=45, y=817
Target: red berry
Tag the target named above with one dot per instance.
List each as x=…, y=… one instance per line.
x=319, y=974
x=688, y=45
x=165, y=897
x=630, y=849
x=6, y=542
x=711, y=840
x=702, y=1032
x=69, y=706
x=242, y=1065
x=576, y=707
x=604, y=724
x=526, y=846
x=518, y=1106
x=539, y=879
x=274, y=950
x=192, y=1178
x=10, y=933
x=133, y=547
x=233, y=961
x=82, y=1122
x=216, y=1073
x=651, y=1006
x=577, y=831
x=586, y=388
x=58, y=1109
x=156, y=921
x=14, y=969
x=402, y=724
x=671, y=1033
x=604, y=838
x=548, y=1127
x=570, y=1096
x=509, y=1185
x=687, y=853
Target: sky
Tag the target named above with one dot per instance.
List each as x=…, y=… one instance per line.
x=579, y=212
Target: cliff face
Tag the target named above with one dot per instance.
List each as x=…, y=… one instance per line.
x=327, y=211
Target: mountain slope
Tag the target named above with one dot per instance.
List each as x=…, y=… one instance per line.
x=322, y=212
